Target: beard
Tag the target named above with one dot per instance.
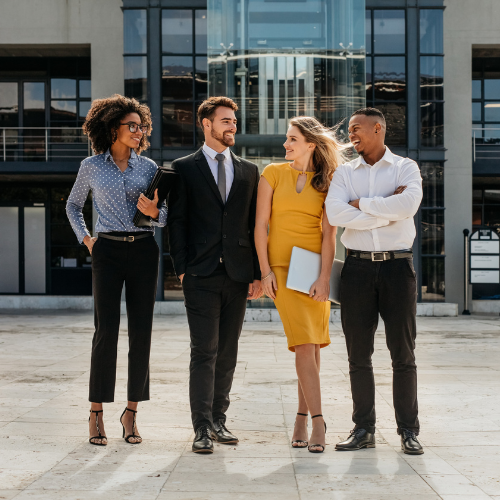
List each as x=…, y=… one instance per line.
x=225, y=141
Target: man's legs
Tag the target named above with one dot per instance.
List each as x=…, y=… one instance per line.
x=203, y=306
x=234, y=301
x=398, y=307
x=359, y=314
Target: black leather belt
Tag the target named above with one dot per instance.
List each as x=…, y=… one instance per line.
x=380, y=256
x=128, y=238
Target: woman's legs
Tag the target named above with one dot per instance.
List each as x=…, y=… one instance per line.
x=307, y=363
x=128, y=422
x=92, y=424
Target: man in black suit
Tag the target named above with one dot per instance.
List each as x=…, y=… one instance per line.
x=211, y=222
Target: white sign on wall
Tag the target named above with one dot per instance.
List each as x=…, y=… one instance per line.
x=485, y=262
x=484, y=257
x=484, y=276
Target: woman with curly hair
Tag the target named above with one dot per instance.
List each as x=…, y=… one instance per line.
x=118, y=128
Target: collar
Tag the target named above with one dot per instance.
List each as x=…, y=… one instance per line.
x=131, y=161
x=211, y=153
x=388, y=158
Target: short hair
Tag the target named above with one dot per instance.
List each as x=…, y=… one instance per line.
x=105, y=116
x=208, y=106
x=371, y=112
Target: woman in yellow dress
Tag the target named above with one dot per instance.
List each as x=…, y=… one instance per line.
x=290, y=203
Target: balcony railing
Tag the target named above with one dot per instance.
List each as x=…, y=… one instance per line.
x=485, y=143
x=43, y=144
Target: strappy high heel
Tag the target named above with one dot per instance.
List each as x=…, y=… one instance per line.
x=317, y=445
x=134, y=428
x=299, y=442
x=100, y=436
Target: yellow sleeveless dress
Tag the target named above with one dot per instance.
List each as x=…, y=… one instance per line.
x=296, y=220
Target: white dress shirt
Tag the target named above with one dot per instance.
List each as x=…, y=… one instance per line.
x=384, y=221
x=214, y=166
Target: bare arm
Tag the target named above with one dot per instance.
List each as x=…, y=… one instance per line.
x=320, y=290
x=263, y=214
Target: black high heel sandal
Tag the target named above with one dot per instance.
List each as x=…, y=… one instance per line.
x=317, y=445
x=100, y=436
x=300, y=443
x=134, y=427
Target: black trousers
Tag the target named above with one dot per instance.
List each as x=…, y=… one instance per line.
x=388, y=288
x=215, y=308
x=113, y=264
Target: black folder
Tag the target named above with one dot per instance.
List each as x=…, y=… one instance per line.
x=164, y=180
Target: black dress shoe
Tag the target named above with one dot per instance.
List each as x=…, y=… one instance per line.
x=203, y=440
x=222, y=435
x=409, y=442
x=359, y=438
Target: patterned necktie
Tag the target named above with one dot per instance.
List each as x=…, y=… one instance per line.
x=221, y=171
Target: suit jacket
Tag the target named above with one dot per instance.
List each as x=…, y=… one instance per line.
x=201, y=228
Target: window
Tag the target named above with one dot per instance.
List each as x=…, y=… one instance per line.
x=432, y=231
x=386, y=70
x=431, y=78
x=135, y=31
x=184, y=74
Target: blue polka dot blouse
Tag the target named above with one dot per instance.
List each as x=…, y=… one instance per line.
x=114, y=193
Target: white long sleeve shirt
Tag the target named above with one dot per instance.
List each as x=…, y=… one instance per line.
x=384, y=221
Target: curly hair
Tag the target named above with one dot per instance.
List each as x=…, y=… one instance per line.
x=104, y=117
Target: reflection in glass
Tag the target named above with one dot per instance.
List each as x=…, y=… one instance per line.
x=476, y=112
x=476, y=89
x=395, y=117
x=83, y=109
x=492, y=89
x=389, y=31
x=63, y=111
x=369, y=79
x=172, y=288
x=200, y=31
x=492, y=111
x=177, y=31
x=390, y=78
x=492, y=216
x=9, y=104
x=368, y=31
x=433, y=279
x=431, y=78
x=136, y=83
x=432, y=231
x=201, y=78
x=491, y=133
x=431, y=31
x=62, y=234
x=85, y=89
x=432, y=184
x=492, y=196
x=477, y=196
x=34, y=116
x=177, y=77
x=431, y=131
x=477, y=215
x=178, y=123
x=135, y=31
x=63, y=88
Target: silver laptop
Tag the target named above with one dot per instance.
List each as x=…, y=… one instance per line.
x=304, y=270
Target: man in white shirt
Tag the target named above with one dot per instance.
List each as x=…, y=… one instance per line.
x=375, y=198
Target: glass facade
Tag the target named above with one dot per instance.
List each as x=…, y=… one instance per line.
x=276, y=63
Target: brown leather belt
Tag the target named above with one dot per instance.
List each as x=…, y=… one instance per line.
x=129, y=238
x=380, y=256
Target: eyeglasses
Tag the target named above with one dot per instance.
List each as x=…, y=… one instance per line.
x=133, y=127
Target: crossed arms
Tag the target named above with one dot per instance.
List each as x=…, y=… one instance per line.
x=377, y=211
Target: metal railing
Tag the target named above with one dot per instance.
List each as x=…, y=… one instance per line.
x=43, y=144
x=485, y=143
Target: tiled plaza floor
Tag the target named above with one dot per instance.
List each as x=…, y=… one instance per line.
x=44, y=452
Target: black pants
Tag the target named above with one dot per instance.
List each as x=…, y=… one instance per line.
x=366, y=289
x=136, y=265
x=215, y=308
